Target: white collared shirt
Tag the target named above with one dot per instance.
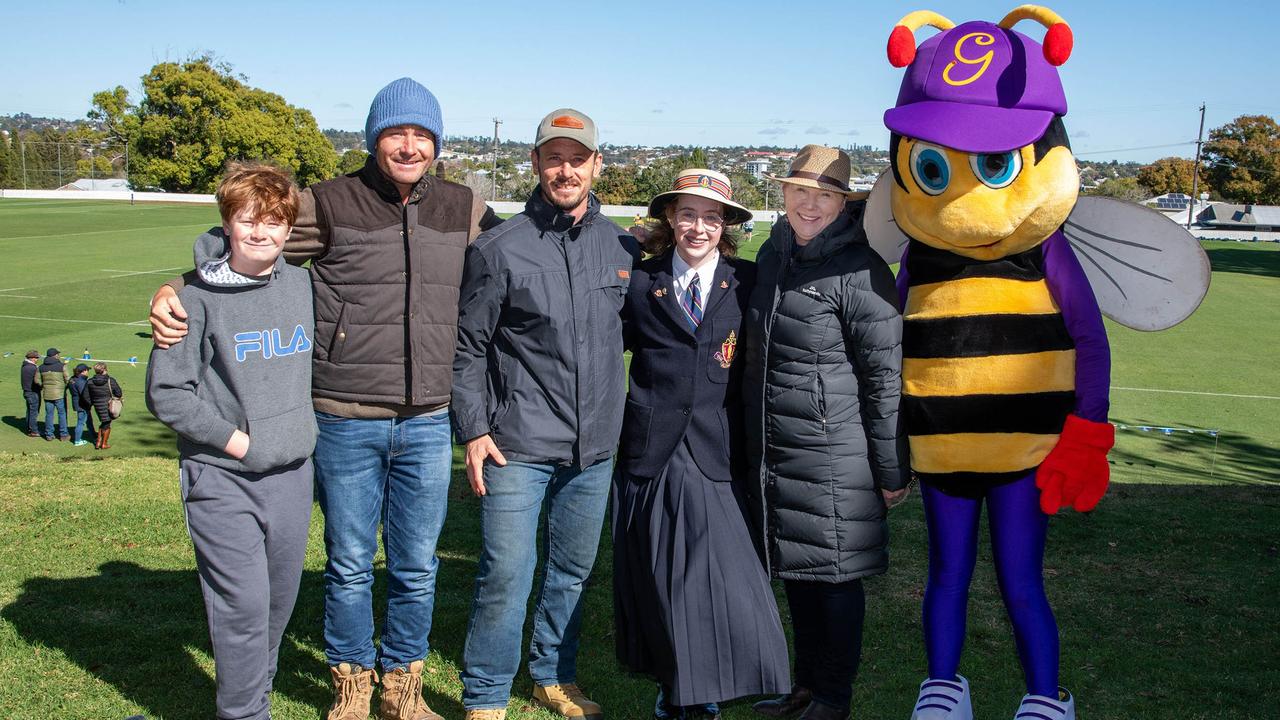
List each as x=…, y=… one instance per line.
x=682, y=274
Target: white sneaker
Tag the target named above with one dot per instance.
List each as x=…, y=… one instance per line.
x=943, y=700
x=1039, y=707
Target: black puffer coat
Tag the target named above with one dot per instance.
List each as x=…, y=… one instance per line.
x=97, y=393
x=822, y=386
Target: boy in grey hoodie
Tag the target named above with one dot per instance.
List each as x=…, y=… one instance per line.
x=238, y=393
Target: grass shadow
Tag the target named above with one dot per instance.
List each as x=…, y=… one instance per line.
x=1196, y=456
x=129, y=625
x=1249, y=262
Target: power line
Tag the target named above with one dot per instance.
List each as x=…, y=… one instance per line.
x=1145, y=147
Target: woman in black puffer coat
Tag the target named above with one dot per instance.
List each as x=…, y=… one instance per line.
x=823, y=379
x=98, y=391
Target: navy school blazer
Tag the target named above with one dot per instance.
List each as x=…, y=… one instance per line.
x=684, y=383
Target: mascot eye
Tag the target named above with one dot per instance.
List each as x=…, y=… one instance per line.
x=997, y=170
x=930, y=168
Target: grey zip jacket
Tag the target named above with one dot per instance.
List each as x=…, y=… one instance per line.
x=246, y=364
x=539, y=358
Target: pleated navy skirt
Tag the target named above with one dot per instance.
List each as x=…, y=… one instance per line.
x=692, y=604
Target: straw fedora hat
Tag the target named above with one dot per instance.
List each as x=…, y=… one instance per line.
x=822, y=167
x=703, y=183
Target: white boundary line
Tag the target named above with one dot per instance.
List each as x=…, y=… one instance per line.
x=101, y=232
x=1193, y=392
x=131, y=273
x=136, y=323
x=27, y=297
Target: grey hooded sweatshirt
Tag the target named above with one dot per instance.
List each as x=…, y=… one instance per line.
x=245, y=363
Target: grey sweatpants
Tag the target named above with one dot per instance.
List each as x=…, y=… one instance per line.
x=250, y=536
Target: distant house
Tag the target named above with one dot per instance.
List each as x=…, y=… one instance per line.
x=97, y=184
x=757, y=167
x=1169, y=202
x=1226, y=216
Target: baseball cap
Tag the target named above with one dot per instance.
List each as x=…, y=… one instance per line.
x=1004, y=102
x=568, y=123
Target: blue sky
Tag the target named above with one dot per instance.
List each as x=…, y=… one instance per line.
x=692, y=73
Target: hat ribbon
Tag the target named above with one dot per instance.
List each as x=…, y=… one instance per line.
x=706, y=181
x=819, y=177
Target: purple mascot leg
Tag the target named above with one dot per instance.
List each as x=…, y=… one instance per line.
x=1018, y=530
x=953, y=549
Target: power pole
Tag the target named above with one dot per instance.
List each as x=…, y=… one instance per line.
x=494, y=170
x=23, y=147
x=1195, y=171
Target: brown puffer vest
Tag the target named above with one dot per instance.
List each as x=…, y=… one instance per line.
x=386, y=288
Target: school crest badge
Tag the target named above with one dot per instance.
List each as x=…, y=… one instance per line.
x=727, y=350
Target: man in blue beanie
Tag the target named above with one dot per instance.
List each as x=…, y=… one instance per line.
x=386, y=245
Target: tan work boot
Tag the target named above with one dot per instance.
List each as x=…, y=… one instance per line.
x=352, y=692
x=487, y=714
x=402, y=695
x=568, y=701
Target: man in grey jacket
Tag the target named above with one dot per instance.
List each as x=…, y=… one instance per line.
x=538, y=391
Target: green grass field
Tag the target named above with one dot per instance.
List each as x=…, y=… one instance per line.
x=1166, y=595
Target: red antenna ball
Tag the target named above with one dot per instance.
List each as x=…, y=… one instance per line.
x=1057, y=44
x=902, y=46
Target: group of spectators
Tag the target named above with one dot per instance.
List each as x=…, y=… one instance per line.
x=47, y=382
x=428, y=317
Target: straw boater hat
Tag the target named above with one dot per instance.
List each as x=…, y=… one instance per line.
x=703, y=183
x=822, y=167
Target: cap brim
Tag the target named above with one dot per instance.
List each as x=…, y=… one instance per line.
x=539, y=142
x=734, y=214
x=969, y=128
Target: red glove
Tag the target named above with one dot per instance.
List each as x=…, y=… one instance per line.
x=1076, y=472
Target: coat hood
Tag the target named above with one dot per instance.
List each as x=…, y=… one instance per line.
x=212, y=253
x=550, y=218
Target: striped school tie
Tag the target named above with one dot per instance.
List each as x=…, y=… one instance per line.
x=692, y=302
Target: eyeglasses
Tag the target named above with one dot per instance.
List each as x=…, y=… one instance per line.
x=688, y=219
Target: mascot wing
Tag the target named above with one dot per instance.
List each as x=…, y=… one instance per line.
x=1147, y=272
x=882, y=232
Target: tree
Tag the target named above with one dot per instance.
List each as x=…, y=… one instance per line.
x=352, y=160
x=1171, y=175
x=197, y=116
x=746, y=190
x=616, y=185
x=7, y=162
x=1242, y=159
x=1124, y=188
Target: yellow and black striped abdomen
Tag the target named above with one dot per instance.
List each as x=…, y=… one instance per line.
x=988, y=371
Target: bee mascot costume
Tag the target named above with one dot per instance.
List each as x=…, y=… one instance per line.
x=1006, y=367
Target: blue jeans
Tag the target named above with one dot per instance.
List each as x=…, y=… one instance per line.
x=393, y=471
x=33, y=410
x=60, y=405
x=83, y=422
x=510, y=512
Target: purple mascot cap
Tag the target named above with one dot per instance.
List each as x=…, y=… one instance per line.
x=978, y=87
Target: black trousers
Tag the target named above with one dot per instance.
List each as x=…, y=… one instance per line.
x=826, y=620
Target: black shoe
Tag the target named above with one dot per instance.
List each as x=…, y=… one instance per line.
x=822, y=711
x=785, y=705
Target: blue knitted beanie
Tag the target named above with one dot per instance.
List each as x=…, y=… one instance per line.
x=403, y=102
